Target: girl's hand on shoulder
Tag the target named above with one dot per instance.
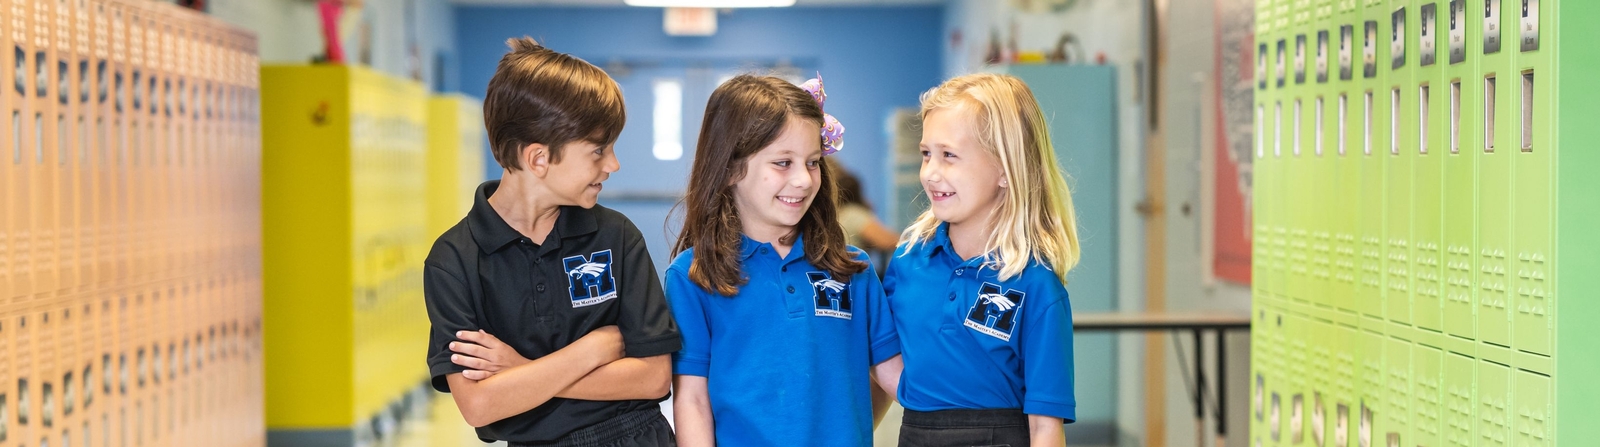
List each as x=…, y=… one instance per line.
x=483, y=354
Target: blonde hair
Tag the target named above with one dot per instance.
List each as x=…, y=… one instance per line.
x=1035, y=221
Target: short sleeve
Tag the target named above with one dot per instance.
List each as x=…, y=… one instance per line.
x=885, y=343
x=450, y=310
x=688, y=307
x=646, y=321
x=1047, y=356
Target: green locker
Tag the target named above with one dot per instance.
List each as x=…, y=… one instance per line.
x=1428, y=122
x=1374, y=116
x=1346, y=128
x=1533, y=410
x=1532, y=177
x=1494, y=181
x=1397, y=403
x=1460, y=167
x=1426, y=392
x=1319, y=397
x=1494, y=398
x=1261, y=224
x=1459, y=403
x=1297, y=381
x=1348, y=401
x=1375, y=392
x=1398, y=145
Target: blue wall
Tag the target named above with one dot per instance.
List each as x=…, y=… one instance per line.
x=873, y=58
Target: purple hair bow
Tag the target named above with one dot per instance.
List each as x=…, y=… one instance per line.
x=832, y=130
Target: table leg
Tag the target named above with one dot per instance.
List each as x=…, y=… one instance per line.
x=1199, y=390
x=1222, y=387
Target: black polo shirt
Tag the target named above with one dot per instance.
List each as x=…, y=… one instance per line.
x=592, y=271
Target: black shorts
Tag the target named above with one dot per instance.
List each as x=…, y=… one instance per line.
x=964, y=428
x=643, y=428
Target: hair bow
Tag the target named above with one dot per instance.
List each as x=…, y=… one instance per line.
x=832, y=130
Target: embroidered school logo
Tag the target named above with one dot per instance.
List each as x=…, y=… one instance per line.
x=832, y=297
x=995, y=313
x=589, y=280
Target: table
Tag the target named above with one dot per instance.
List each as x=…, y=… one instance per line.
x=1193, y=321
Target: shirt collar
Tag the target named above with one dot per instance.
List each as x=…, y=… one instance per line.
x=941, y=241
x=492, y=233
x=748, y=247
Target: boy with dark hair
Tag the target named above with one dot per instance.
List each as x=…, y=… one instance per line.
x=551, y=275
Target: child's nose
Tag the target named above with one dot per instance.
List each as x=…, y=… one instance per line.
x=612, y=164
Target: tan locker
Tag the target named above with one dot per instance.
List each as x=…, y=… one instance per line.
x=23, y=164
x=11, y=180
x=47, y=226
x=83, y=150
x=114, y=351
x=46, y=194
x=135, y=324
x=102, y=155
x=62, y=54
x=165, y=144
x=10, y=159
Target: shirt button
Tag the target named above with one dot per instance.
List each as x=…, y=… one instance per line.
x=763, y=250
x=539, y=287
x=791, y=289
x=959, y=272
x=952, y=296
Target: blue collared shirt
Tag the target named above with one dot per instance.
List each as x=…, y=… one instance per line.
x=972, y=341
x=786, y=360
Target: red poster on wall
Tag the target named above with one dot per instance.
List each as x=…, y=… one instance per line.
x=1232, y=215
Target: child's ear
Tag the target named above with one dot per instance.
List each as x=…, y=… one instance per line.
x=536, y=157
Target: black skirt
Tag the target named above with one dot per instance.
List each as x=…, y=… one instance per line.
x=964, y=428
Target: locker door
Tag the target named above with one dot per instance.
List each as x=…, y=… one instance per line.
x=1431, y=111
x=1425, y=364
x=1533, y=204
x=1460, y=403
x=1497, y=81
x=1493, y=415
x=1534, y=412
x=1464, y=112
x=1400, y=102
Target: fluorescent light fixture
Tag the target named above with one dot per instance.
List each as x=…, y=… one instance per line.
x=711, y=3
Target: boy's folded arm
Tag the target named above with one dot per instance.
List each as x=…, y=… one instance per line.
x=628, y=378
x=691, y=412
x=524, y=387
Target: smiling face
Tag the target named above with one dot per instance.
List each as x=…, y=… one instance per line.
x=961, y=178
x=780, y=181
x=577, y=178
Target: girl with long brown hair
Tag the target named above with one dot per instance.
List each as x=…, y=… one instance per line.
x=782, y=322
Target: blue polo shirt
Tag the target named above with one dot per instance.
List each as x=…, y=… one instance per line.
x=972, y=341
x=786, y=360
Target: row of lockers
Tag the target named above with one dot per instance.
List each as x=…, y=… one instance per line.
x=1328, y=383
x=355, y=196
x=1391, y=192
x=1405, y=220
x=130, y=273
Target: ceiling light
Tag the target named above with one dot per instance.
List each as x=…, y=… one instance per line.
x=710, y=3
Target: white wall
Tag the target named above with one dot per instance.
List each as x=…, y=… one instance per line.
x=1188, y=122
x=289, y=31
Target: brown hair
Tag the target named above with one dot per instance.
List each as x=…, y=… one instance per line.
x=541, y=96
x=743, y=116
